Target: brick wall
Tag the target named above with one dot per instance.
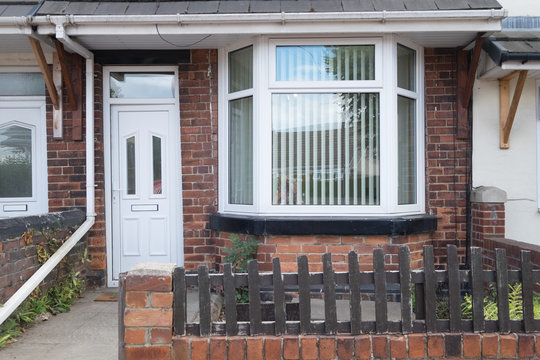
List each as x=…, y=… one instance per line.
x=391, y=346
x=18, y=252
x=146, y=327
x=198, y=124
x=66, y=167
x=447, y=158
x=288, y=248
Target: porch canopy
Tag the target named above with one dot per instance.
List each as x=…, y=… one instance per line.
x=513, y=53
x=124, y=25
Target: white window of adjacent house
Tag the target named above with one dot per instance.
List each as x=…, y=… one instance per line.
x=322, y=127
x=538, y=141
x=23, y=152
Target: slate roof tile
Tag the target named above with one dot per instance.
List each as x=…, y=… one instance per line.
x=141, y=8
x=172, y=7
x=112, y=8
x=17, y=10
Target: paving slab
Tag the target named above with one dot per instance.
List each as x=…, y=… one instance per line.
x=87, y=332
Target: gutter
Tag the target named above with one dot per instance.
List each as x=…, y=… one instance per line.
x=493, y=14
x=16, y=299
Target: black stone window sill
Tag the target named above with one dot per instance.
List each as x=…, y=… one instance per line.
x=261, y=225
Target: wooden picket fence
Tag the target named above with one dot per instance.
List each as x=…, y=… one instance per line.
x=423, y=283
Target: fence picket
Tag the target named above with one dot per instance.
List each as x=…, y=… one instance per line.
x=254, y=298
x=405, y=288
x=454, y=289
x=304, y=297
x=477, y=289
x=430, y=287
x=354, y=288
x=179, y=300
x=230, y=300
x=502, y=290
x=381, y=310
x=527, y=291
x=279, y=298
x=330, y=312
x=205, y=319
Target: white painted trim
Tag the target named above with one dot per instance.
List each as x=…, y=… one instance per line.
x=518, y=65
x=176, y=192
x=538, y=142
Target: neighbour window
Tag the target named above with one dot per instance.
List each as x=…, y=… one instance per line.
x=326, y=139
x=23, y=161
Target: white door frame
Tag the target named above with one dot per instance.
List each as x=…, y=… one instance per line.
x=178, y=256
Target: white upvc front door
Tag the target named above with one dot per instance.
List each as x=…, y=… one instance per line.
x=146, y=195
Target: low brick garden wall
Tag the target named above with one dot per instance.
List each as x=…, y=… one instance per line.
x=19, y=238
x=146, y=332
x=413, y=346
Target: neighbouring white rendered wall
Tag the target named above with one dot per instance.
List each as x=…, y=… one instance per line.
x=521, y=7
x=512, y=170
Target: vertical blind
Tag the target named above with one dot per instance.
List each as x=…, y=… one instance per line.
x=325, y=63
x=325, y=149
x=241, y=128
x=407, y=167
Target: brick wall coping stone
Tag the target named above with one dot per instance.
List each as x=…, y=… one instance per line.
x=261, y=225
x=152, y=269
x=12, y=227
x=488, y=194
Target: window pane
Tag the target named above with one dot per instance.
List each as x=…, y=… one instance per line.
x=406, y=68
x=241, y=69
x=241, y=151
x=21, y=84
x=130, y=163
x=156, y=159
x=15, y=162
x=325, y=149
x=137, y=85
x=325, y=63
x=406, y=151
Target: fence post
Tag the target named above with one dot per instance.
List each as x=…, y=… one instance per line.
x=405, y=288
x=454, y=289
x=329, y=284
x=527, y=291
x=381, y=309
x=354, y=286
x=477, y=289
x=430, y=287
x=179, y=301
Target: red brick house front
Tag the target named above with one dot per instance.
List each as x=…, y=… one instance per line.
x=314, y=126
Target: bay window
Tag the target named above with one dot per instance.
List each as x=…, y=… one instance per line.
x=321, y=127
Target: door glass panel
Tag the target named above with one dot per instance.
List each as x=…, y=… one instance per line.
x=156, y=155
x=138, y=85
x=130, y=160
x=15, y=162
x=21, y=84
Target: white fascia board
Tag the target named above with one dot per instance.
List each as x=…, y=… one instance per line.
x=518, y=65
x=278, y=23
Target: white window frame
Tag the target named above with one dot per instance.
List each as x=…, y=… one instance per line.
x=538, y=142
x=385, y=83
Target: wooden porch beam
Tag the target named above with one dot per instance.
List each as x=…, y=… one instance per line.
x=507, y=110
x=46, y=71
x=472, y=70
x=64, y=58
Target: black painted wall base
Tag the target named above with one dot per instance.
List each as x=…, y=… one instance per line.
x=259, y=225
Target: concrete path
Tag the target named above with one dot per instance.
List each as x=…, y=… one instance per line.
x=89, y=331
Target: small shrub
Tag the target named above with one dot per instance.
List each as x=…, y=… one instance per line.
x=238, y=255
